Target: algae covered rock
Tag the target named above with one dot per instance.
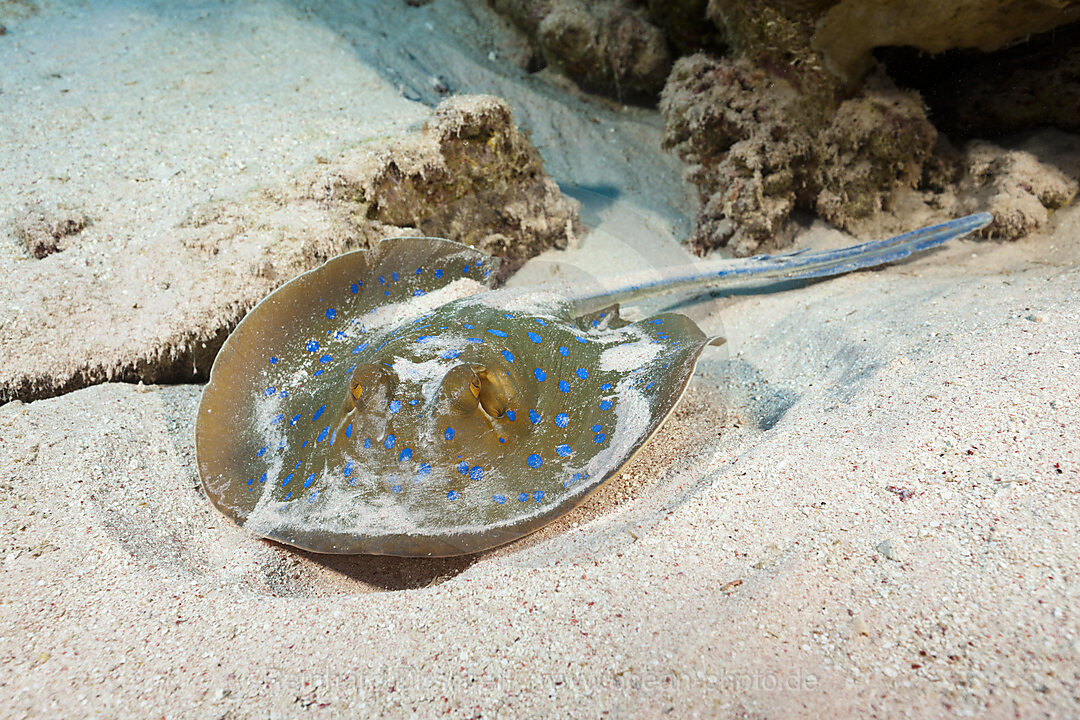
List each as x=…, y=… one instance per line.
x=607, y=47
x=471, y=175
x=1015, y=186
x=758, y=149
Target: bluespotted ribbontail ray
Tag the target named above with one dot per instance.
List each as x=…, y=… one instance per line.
x=392, y=401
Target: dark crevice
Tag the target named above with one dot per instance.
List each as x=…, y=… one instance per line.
x=973, y=94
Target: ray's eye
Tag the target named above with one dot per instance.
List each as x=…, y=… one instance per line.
x=460, y=389
x=370, y=383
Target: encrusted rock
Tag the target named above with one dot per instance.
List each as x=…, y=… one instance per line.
x=1018, y=189
x=759, y=148
x=609, y=47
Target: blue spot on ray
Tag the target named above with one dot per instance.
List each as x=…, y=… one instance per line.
x=331, y=313
x=564, y=386
x=534, y=461
x=582, y=373
x=541, y=376
x=535, y=338
x=389, y=442
x=509, y=356
x=564, y=351
x=534, y=417
x=563, y=450
x=562, y=420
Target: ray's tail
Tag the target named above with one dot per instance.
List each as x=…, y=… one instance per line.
x=732, y=275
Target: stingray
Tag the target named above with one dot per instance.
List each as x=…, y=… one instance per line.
x=395, y=401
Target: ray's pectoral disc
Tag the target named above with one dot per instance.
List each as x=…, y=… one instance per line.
x=389, y=402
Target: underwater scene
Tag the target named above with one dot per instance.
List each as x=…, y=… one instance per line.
x=534, y=358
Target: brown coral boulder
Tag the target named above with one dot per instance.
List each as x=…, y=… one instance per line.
x=607, y=47
x=758, y=149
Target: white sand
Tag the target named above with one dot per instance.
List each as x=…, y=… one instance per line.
x=752, y=561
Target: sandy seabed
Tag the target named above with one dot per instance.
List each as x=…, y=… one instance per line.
x=866, y=505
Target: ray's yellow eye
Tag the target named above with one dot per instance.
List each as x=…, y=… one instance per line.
x=370, y=378
x=459, y=390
